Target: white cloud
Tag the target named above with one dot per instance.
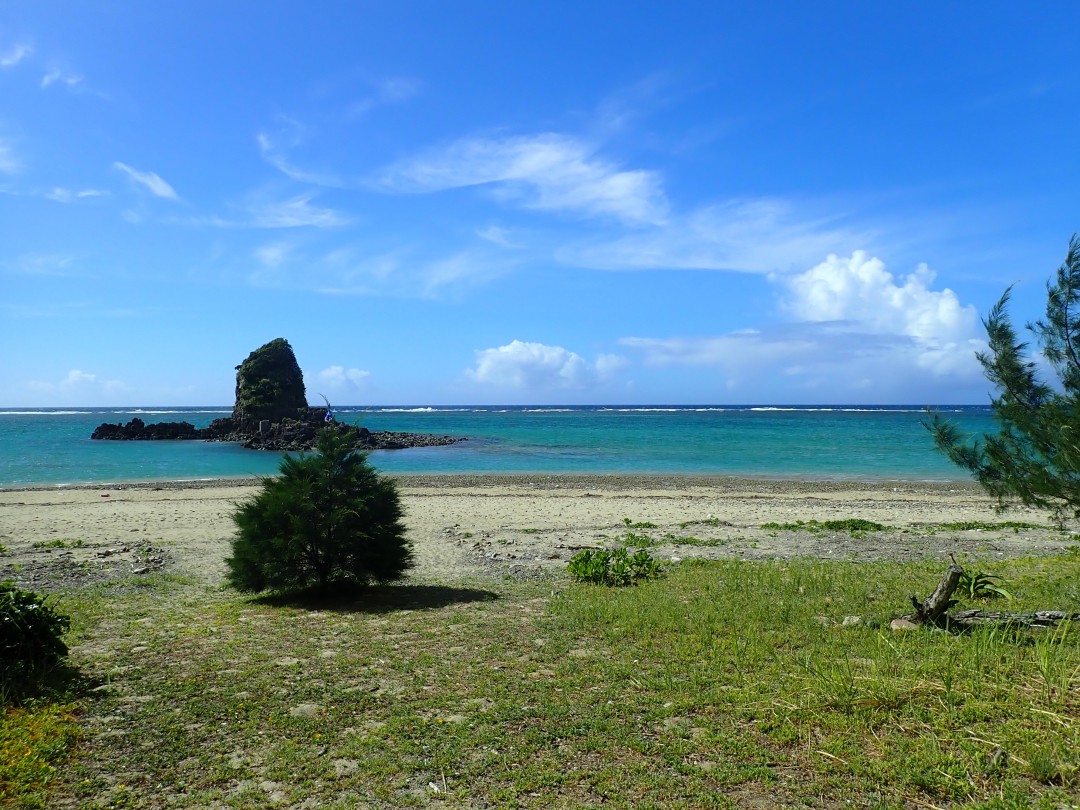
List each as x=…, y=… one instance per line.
x=48, y=264
x=274, y=148
x=751, y=236
x=339, y=378
x=498, y=236
x=80, y=387
x=273, y=255
x=66, y=195
x=9, y=163
x=58, y=76
x=15, y=54
x=297, y=212
x=535, y=366
x=861, y=292
x=858, y=332
x=149, y=180
x=547, y=172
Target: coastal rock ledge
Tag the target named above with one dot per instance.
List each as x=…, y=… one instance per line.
x=271, y=413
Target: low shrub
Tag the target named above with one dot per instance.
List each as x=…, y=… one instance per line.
x=31, y=640
x=616, y=567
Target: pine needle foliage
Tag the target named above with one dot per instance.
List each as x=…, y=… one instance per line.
x=1035, y=456
x=328, y=520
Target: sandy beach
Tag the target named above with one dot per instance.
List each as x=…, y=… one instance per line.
x=463, y=527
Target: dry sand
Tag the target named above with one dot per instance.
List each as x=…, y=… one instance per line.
x=463, y=527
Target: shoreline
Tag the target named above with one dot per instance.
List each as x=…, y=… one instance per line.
x=542, y=480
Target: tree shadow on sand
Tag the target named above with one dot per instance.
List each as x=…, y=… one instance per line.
x=377, y=598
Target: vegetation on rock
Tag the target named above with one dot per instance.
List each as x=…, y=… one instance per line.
x=329, y=520
x=270, y=385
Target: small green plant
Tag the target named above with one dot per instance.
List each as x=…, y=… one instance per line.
x=59, y=543
x=980, y=585
x=641, y=524
x=616, y=567
x=31, y=640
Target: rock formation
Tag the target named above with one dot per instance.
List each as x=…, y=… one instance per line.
x=269, y=386
x=271, y=413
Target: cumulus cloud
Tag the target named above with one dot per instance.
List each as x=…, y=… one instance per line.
x=549, y=172
x=339, y=378
x=535, y=366
x=861, y=292
x=148, y=180
x=857, y=332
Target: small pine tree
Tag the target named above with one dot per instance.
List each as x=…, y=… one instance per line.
x=327, y=520
x=1035, y=458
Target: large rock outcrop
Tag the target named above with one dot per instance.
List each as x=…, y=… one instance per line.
x=269, y=386
x=271, y=413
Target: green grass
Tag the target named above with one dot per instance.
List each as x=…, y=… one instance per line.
x=58, y=543
x=724, y=684
x=856, y=527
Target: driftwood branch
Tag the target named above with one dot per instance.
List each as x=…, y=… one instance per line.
x=1038, y=618
x=934, y=610
x=934, y=607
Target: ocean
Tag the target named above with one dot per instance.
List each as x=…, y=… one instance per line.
x=47, y=447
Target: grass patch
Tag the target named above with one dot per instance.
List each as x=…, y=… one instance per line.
x=59, y=543
x=709, y=521
x=983, y=526
x=725, y=684
x=856, y=527
x=677, y=540
x=35, y=740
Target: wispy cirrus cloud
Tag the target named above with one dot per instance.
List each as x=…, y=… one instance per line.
x=275, y=147
x=546, y=172
x=67, y=195
x=41, y=264
x=386, y=90
x=9, y=162
x=151, y=181
x=499, y=236
x=750, y=236
x=295, y=212
x=58, y=76
x=15, y=54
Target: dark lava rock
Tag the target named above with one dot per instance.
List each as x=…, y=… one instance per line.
x=271, y=413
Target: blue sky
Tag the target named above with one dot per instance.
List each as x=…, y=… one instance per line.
x=528, y=203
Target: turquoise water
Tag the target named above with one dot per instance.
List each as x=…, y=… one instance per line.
x=49, y=447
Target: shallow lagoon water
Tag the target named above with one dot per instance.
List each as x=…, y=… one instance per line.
x=52, y=446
